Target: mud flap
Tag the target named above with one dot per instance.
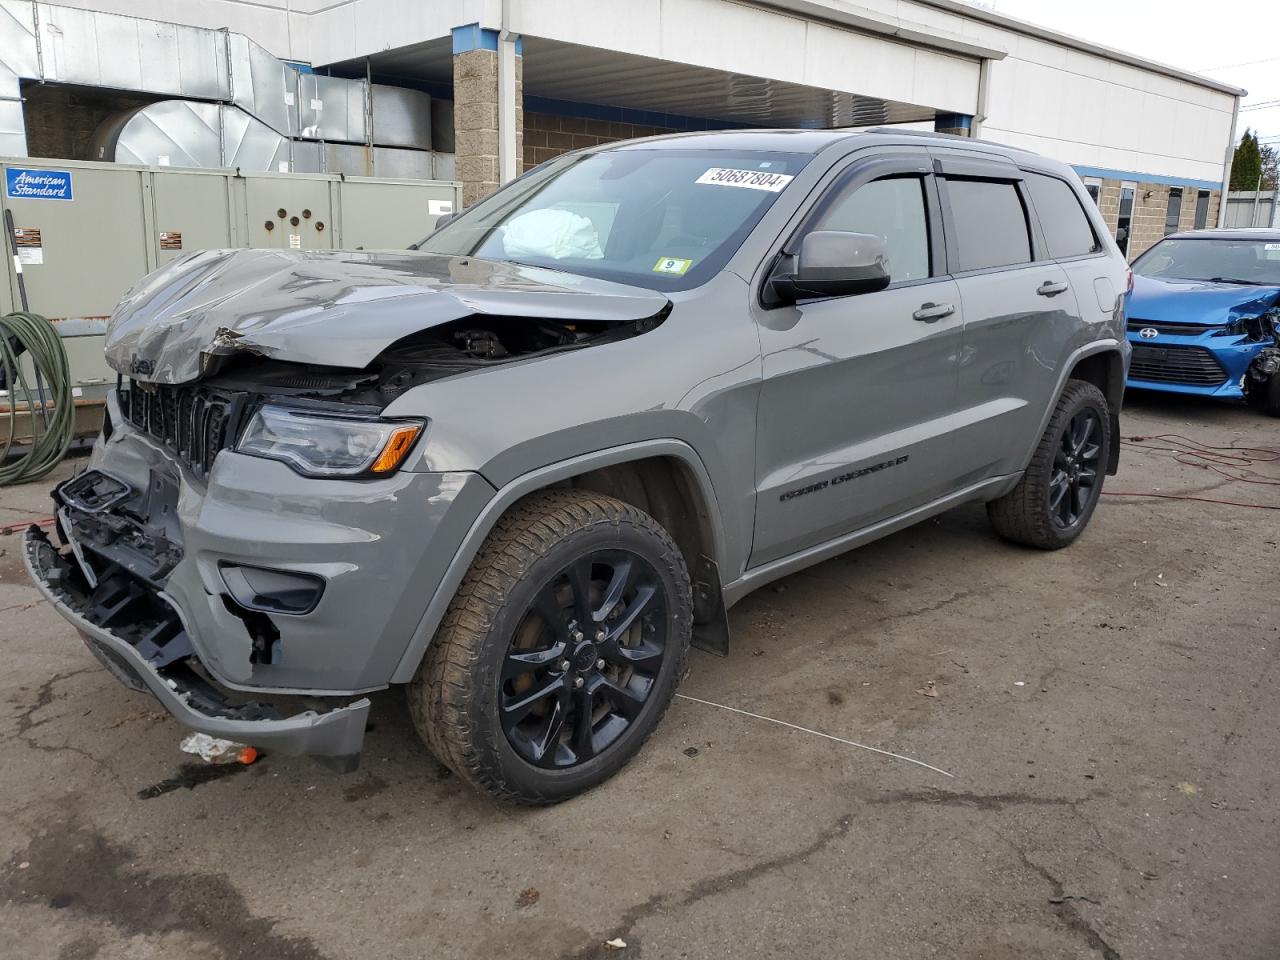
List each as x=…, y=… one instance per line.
x=710, y=619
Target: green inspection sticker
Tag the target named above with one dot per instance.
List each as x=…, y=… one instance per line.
x=677, y=265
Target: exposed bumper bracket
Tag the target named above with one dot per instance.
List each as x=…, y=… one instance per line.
x=333, y=737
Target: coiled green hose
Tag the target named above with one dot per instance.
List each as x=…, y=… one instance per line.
x=52, y=423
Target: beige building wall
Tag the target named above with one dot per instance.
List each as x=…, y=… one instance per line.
x=1150, y=211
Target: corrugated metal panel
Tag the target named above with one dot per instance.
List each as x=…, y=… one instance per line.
x=442, y=166
x=401, y=163
x=273, y=103
x=1247, y=208
x=127, y=53
x=442, y=126
x=306, y=156
x=566, y=71
x=183, y=133
x=348, y=158
x=401, y=117
x=250, y=144
x=13, y=131
x=405, y=164
x=18, y=54
x=171, y=133
x=263, y=86
x=331, y=108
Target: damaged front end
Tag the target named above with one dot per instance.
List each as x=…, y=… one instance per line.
x=1261, y=382
x=345, y=309
x=468, y=345
x=255, y=543
x=119, y=546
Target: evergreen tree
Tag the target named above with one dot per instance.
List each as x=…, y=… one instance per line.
x=1247, y=163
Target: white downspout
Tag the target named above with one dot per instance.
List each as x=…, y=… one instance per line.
x=507, y=160
x=1226, y=166
x=984, y=94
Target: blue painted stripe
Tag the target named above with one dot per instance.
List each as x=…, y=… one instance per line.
x=646, y=118
x=1141, y=178
x=952, y=121
x=472, y=36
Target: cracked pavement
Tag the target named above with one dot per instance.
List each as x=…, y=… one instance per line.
x=1109, y=713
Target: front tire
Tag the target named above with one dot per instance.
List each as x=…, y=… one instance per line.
x=1262, y=394
x=561, y=650
x=1052, y=503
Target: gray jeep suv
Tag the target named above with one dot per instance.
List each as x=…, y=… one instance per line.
x=520, y=468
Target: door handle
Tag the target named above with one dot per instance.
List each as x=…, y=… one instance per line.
x=1051, y=289
x=933, y=312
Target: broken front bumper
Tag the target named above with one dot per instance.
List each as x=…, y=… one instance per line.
x=333, y=734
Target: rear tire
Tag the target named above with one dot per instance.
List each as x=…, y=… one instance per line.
x=577, y=606
x=1052, y=503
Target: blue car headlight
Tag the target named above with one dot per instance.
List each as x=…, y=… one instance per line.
x=1263, y=328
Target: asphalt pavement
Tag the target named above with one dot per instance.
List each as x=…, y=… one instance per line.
x=1107, y=714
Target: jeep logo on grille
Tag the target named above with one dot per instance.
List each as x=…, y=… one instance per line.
x=1148, y=333
x=140, y=366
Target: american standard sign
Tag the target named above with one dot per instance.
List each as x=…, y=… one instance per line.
x=21, y=183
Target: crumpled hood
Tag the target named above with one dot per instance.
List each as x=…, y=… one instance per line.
x=334, y=308
x=1197, y=301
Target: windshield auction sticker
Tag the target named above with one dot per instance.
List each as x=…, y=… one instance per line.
x=751, y=179
x=677, y=265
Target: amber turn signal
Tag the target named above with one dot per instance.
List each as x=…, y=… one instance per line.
x=398, y=445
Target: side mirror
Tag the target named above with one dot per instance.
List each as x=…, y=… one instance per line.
x=834, y=263
x=440, y=222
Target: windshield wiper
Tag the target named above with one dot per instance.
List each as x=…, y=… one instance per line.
x=1247, y=283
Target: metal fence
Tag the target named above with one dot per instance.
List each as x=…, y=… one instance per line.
x=1252, y=208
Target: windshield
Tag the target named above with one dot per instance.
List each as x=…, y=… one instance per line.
x=1230, y=261
x=662, y=219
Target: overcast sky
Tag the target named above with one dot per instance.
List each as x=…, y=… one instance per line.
x=1235, y=41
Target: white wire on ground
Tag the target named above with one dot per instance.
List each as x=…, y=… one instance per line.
x=819, y=733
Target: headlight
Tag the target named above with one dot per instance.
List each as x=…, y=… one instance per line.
x=1259, y=329
x=321, y=446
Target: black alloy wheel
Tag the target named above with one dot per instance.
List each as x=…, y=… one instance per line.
x=1074, y=484
x=1051, y=504
x=584, y=659
x=561, y=650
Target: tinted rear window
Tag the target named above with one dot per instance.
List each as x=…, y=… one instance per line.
x=990, y=224
x=1066, y=228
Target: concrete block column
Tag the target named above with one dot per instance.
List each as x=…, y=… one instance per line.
x=477, y=99
x=958, y=123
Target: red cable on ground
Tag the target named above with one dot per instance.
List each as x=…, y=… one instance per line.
x=1207, y=456
x=11, y=528
x=1183, y=496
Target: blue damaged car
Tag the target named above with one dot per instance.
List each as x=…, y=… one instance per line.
x=1204, y=316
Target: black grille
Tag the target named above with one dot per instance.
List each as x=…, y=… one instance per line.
x=193, y=422
x=1193, y=366
x=1173, y=329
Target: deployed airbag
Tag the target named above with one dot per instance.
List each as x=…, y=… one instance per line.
x=551, y=234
